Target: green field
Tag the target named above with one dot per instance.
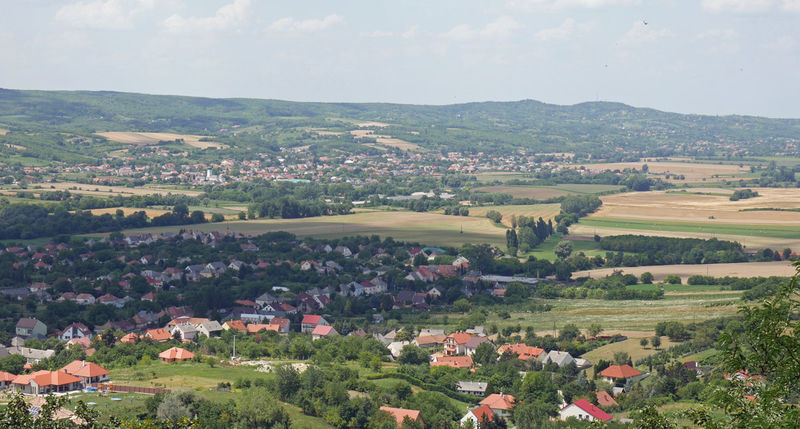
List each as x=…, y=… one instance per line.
x=428, y=228
x=545, y=250
x=771, y=231
x=547, y=192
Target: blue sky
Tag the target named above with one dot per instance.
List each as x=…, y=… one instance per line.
x=691, y=56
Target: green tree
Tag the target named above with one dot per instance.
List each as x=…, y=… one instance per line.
x=646, y=278
x=644, y=342
x=413, y=355
x=257, y=408
x=462, y=306
x=594, y=329
x=485, y=354
x=563, y=249
x=568, y=332
x=656, y=341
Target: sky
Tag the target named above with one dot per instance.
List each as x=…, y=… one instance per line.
x=714, y=57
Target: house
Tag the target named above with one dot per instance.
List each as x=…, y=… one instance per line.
x=477, y=388
x=31, y=328
x=44, y=382
x=149, y=296
x=234, y=324
x=185, y=331
x=31, y=356
x=310, y=321
x=88, y=372
x=619, y=372
x=521, y=351
x=75, y=330
x=158, y=335
x=500, y=403
x=604, y=399
x=473, y=343
x=175, y=354
x=694, y=366
x=265, y=298
x=109, y=299
x=5, y=379
x=344, y=250
x=454, y=361
x=282, y=324
x=583, y=410
x=253, y=328
x=323, y=331
x=478, y=416
x=83, y=342
x=429, y=341
x=400, y=414
x=85, y=299
x=455, y=343
x=557, y=357
x=129, y=338
x=209, y=329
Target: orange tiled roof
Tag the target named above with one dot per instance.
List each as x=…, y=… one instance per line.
x=454, y=361
x=176, y=353
x=620, y=371
x=523, y=351
x=6, y=376
x=159, y=334
x=400, y=414
x=84, y=369
x=483, y=413
x=460, y=337
x=252, y=328
x=236, y=324
x=499, y=401
x=47, y=378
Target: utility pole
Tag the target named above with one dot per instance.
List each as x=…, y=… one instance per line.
x=233, y=356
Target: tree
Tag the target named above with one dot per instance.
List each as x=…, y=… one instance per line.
x=595, y=329
x=621, y=358
x=14, y=364
x=563, y=249
x=257, y=408
x=533, y=415
x=173, y=408
x=288, y=382
x=646, y=278
x=485, y=354
x=217, y=217
x=568, y=332
x=462, y=306
x=494, y=215
x=656, y=342
x=181, y=210
x=643, y=342
x=413, y=355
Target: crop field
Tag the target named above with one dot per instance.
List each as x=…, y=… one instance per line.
x=545, y=211
x=631, y=346
x=128, y=211
x=105, y=190
x=659, y=272
x=545, y=250
x=546, y=192
x=3, y=131
x=497, y=176
x=693, y=172
x=143, y=139
x=428, y=228
x=709, y=205
x=633, y=318
x=386, y=141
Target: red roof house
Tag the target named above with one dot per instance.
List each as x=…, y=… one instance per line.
x=583, y=410
x=401, y=414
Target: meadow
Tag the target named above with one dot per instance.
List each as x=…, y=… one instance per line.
x=694, y=172
x=428, y=228
x=659, y=272
x=135, y=138
x=545, y=211
x=547, y=192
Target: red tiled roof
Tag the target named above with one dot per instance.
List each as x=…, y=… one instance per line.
x=483, y=413
x=47, y=378
x=620, y=371
x=454, y=361
x=84, y=369
x=523, y=351
x=236, y=324
x=323, y=330
x=400, y=414
x=499, y=401
x=592, y=410
x=6, y=376
x=311, y=319
x=604, y=399
x=159, y=334
x=252, y=328
x=176, y=353
x=460, y=337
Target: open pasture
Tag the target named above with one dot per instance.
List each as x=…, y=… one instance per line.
x=545, y=211
x=711, y=205
x=387, y=141
x=693, y=172
x=546, y=192
x=106, y=191
x=428, y=228
x=659, y=272
x=144, y=139
x=631, y=346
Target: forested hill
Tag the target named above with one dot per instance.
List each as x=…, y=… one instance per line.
x=601, y=128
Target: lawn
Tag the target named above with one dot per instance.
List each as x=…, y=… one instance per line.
x=545, y=250
x=754, y=230
x=427, y=228
x=631, y=346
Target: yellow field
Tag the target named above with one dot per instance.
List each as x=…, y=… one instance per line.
x=384, y=140
x=129, y=210
x=104, y=190
x=690, y=207
x=659, y=272
x=694, y=172
x=3, y=131
x=545, y=211
x=533, y=192
x=630, y=346
x=15, y=146
x=426, y=228
x=153, y=138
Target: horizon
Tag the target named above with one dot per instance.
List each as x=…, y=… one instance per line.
x=710, y=57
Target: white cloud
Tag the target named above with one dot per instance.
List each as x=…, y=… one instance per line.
x=500, y=28
x=291, y=25
x=718, y=34
x=737, y=6
x=377, y=34
x=641, y=33
x=782, y=44
x=565, y=4
x=102, y=14
x=411, y=32
x=791, y=5
x=562, y=32
x=227, y=16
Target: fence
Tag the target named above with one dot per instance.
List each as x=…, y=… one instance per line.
x=101, y=387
